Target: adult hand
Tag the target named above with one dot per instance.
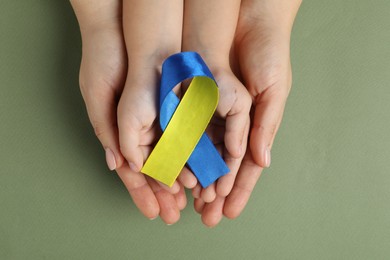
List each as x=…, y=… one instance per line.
x=102, y=77
x=262, y=52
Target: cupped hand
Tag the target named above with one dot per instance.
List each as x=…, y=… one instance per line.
x=147, y=46
x=228, y=130
x=103, y=74
x=138, y=133
x=262, y=53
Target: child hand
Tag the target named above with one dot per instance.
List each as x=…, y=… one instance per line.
x=209, y=28
x=228, y=130
x=102, y=77
x=262, y=46
x=152, y=32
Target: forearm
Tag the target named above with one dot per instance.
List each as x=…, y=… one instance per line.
x=276, y=15
x=94, y=15
x=209, y=27
x=152, y=29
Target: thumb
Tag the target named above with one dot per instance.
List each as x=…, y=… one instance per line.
x=269, y=107
x=102, y=114
x=236, y=121
x=130, y=126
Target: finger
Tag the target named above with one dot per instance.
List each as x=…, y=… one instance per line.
x=169, y=210
x=146, y=150
x=269, y=109
x=208, y=194
x=129, y=137
x=181, y=198
x=101, y=108
x=216, y=132
x=236, y=120
x=140, y=191
x=225, y=183
x=187, y=178
x=199, y=205
x=244, y=184
x=136, y=121
x=196, y=191
x=212, y=213
x=173, y=190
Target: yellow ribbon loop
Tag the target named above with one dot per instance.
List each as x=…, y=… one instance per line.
x=183, y=132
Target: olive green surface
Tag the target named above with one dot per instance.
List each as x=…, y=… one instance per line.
x=326, y=196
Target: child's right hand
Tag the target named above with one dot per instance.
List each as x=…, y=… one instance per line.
x=102, y=78
x=152, y=32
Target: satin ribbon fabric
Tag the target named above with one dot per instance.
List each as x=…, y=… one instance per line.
x=184, y=122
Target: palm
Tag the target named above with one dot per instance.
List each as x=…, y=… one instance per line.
x=103, y=67
x=263, y=59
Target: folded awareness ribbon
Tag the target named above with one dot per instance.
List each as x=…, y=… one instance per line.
x=184, y=123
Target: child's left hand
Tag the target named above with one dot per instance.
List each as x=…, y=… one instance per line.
x=228, y=130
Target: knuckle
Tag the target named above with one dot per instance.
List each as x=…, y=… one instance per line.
x=103, y=128
x=269, y=130
x=125, y=150
x=104, y=132
x=265, y=78
x=82, y=85
x=230, y=159
x=98, y=129
x=95, y=89
x=247, y=100
x=273, y=128
x=275, y=78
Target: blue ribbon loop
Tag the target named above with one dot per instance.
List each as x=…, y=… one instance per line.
x=205, y=161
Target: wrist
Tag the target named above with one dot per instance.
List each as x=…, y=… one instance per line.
x=276, y=16
x=96, y=15
x=212, y=57
x=214, y=50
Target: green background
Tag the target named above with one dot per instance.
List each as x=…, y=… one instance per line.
x=326, y=196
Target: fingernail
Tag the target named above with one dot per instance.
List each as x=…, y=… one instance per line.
x=153, y=218
x=110, y=159
x=267, y=157
x=133, y=167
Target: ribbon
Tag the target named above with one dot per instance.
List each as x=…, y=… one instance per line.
x=184, y=122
